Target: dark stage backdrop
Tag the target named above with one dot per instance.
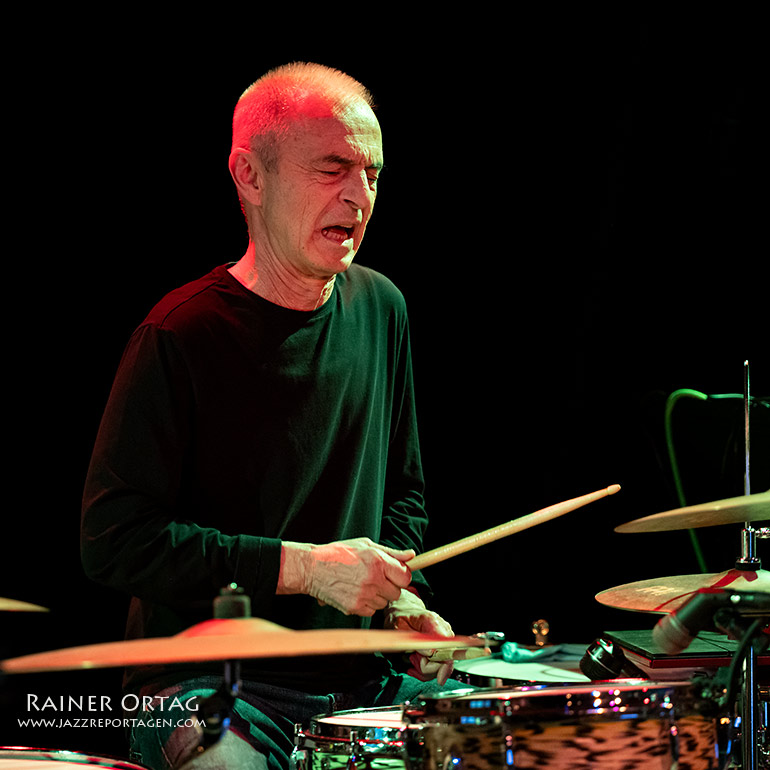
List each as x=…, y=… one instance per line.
x=572, y=212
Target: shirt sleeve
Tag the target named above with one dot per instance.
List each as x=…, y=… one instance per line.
x=135, y=536
x=405, y=520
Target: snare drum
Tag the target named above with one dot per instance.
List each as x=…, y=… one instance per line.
x=620, y=725
x=493, y=671
x=43, y=759
x=372, y=738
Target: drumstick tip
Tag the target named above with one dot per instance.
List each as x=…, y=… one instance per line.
x=613, y=488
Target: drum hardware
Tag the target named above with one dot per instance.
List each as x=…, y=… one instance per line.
x=739, y=615
x=603, y=660
x=493, y=637
x=721, y=696
x=488, y=638
x=753, y=641
x=750, y=690
x=541, y=629
x=216, y=710
x=746, y=580
x=723, y=609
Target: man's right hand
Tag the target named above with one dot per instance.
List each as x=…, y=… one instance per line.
x=357, y=577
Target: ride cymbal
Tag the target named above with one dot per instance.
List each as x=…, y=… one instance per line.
x=667, y=594
x=233, y=639
x=734, y=510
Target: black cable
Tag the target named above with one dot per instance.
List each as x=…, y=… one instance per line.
x=734, y=670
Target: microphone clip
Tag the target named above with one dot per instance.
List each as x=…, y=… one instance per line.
x=603, y=660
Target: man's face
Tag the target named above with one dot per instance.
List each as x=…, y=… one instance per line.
x=316, y=205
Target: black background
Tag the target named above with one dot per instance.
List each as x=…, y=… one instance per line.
x=571, y=207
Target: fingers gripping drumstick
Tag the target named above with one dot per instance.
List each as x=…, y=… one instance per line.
x=503, y=530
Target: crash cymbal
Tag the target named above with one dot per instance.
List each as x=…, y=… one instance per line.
x=664, y=595
x=233, y=639
x=734, y=510
x=12, y=605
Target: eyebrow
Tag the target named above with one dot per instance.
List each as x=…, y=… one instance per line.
x=343, y=161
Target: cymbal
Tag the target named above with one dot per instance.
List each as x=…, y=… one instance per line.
x=12, y=605
x=233, y=639
x=667, y=594
x=733, y=510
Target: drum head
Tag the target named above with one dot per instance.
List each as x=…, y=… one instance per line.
x=13, y=758
x=390, y=716
x=495, y=672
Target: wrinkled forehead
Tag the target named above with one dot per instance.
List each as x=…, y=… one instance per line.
x=354, y=116
x=354, y=129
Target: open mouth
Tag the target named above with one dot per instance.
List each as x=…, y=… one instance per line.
x=337, y=233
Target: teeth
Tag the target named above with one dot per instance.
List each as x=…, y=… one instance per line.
x=338, y=232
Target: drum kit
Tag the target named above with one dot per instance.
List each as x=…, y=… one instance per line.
x=551, y=716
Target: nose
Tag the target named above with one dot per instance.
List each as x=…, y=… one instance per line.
x=357, y=191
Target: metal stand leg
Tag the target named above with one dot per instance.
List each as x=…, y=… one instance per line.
x=749, y=727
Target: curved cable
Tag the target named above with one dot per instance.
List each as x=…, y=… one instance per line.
x=670, y=403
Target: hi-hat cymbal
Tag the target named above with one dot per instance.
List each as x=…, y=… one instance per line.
x=233, y=639
x=12, y=605
x=664, y=595
x=734, y=510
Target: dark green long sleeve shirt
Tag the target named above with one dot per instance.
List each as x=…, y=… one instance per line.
x=234, y=424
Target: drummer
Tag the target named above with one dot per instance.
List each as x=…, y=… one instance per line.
x=261, y=431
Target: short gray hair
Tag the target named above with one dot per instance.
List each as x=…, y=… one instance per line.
x=267, y=109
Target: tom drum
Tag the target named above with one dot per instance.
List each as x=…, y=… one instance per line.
x=619, y=725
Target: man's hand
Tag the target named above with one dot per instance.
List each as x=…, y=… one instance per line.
x=409, y=612
x=357, y=577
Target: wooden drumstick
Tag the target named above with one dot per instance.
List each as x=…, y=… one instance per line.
x=503, y=530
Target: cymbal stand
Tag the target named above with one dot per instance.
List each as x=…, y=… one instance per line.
x=750, y=562
x=216, y=710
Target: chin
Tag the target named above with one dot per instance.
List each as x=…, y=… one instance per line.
x=338, y=265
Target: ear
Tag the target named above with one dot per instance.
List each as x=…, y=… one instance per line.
x=247, y=174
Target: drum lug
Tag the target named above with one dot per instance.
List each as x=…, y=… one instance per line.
x=299, y=758
x=355, y=751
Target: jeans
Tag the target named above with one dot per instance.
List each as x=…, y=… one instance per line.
x=166, y=729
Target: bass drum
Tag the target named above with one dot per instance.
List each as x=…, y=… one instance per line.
x=619, y=725
x=493, y=671
x=15, y=758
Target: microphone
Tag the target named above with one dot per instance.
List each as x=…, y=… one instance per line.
x=675, y=632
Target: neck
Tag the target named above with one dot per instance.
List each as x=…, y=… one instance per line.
x=280, y=286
